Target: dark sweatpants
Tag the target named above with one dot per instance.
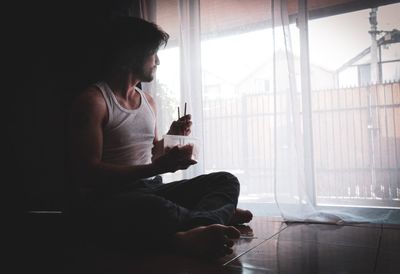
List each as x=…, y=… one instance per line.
x=156, y=211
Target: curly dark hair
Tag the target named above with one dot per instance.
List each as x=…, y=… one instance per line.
x=130, y=41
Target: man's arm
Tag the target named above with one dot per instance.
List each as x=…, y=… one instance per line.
x=179, y=127
x=88, y=116
x=158, y=145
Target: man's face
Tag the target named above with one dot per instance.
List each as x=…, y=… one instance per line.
x=149, y=68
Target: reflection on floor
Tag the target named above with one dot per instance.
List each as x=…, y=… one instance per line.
x=267, y=246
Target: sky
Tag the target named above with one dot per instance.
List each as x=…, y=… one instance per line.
x=346, y=35
x=333, y=40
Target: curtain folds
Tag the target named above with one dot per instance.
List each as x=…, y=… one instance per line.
x=250, y=97
x=190, y=70
x=294, y=180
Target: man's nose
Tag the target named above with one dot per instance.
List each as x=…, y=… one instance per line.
x=157, y=60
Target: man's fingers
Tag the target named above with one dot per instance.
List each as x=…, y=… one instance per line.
x=188, y=131
x=188, y=164
x=184, y=152
x=232, y=232
x=185, y=118
x=228, y=250
x=172, y=150
x=229, y=242
x=182, y=123
x=181, y=126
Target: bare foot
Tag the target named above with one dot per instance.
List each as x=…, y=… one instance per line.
x=241, y=216
x=212, y=241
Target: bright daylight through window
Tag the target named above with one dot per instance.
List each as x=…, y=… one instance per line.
x=355, y=75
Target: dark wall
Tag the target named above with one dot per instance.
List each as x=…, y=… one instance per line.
x=53, y=54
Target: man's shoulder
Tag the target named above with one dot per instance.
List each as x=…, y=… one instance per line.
x=92, y=97
x=150, y=100
x=148, y=97
x=92, y=91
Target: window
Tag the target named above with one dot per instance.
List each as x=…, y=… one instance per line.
x=356, y=120
x=246, y=121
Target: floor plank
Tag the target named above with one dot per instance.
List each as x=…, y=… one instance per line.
x=388, y=260
x=313, y=248
x=333, y=234
x=88, y=259
x=295, y=257
x=267, y=245
x=253, y=234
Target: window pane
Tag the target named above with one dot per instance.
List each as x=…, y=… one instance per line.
x=238, y=108
x=355, y=114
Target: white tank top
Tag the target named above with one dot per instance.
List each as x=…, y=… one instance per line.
x=129, y=133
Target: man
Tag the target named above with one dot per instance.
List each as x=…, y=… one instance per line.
x=116, y=158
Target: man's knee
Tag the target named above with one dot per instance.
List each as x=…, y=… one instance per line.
x=229, y=179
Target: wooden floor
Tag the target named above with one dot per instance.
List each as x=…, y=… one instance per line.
x=267, y=246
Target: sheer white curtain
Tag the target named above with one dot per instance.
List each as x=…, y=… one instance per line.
x=183, y=69
x=294, y=182
x=243, y=69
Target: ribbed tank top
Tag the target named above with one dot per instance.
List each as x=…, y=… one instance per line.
x=129, y=133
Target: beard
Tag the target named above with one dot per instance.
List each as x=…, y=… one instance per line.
x=147, y=76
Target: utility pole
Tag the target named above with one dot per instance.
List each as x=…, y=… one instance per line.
x=374, y=80
x=374, y=46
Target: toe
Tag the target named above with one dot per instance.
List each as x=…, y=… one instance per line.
x=232, y=232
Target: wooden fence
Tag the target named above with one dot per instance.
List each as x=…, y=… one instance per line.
x=356, y=136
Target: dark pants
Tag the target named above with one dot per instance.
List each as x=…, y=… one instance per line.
x=154, y=211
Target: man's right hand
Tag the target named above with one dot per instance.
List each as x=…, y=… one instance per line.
x=181, y=126
x=175, y=158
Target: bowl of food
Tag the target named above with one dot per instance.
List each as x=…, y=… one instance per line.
x=171, y=141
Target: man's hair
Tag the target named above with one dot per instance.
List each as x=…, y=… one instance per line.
x=130, y=41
